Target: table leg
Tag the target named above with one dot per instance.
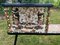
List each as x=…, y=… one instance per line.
x=15, y=41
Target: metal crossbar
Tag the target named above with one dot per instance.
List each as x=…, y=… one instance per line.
x=26, y=5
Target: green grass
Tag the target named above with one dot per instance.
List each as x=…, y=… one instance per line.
x=6, y=39
x=55, y=16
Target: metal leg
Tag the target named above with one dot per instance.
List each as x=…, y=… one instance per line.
x=15, y=41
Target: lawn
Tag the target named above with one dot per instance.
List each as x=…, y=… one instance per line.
x=6, y=39
x=55, y=16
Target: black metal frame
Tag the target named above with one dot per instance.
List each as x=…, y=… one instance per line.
x=33, y=33
x=27, y=5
